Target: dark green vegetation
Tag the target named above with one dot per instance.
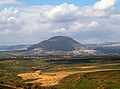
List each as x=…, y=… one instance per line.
x=86, y=59
x=96, y=80
x=58, y=43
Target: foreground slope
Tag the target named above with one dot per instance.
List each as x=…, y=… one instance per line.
x=94, y=80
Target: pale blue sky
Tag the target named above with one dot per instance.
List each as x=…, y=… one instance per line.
x=57, y=2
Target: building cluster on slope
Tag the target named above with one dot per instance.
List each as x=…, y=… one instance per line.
x=74, y=52
x=39, y=52
x=83, y=52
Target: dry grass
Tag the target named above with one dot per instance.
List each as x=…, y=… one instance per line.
x=86, y=67
x=53, y=78
x=46, y=79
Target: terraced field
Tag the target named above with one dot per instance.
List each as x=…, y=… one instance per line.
x=38, y=74
x=53, y=78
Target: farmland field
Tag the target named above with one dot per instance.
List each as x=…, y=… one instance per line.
x=42, y=74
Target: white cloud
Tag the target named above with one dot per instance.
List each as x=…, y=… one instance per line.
x=104, y=4
x=116, y=16
x=31, y=24
x=10, y=19
x=61, y=30
x=62, y=12
x=8, y=2
x=93, y=24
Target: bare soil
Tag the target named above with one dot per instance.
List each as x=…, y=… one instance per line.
x=53, y=78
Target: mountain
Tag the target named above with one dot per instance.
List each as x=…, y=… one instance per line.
x=14, y=48
x=107, y=47
x=58, y=43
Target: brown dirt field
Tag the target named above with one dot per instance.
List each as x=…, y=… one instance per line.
x=53, y=78
x=86, y=67
x=46, y=79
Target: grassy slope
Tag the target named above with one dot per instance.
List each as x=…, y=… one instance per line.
x=97, y=80
x=103, y=80
x=10, y=68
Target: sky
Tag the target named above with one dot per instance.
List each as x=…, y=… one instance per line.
x=31, y=21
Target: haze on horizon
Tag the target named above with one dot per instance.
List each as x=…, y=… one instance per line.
x=31, y=21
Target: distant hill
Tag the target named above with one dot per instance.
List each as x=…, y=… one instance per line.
x=58, y=43
x=108, y=47
x=14, y=48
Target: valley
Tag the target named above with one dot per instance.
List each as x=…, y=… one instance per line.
x=40, y=74
x=56, y=63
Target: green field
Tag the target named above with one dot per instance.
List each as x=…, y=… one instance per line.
x=9, y=69
x=97, y=80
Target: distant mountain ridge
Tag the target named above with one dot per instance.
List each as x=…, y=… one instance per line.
x=14, y=48
x=107, y=47
x=58, y=43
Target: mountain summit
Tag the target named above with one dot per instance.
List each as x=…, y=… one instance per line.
x=58, y=43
